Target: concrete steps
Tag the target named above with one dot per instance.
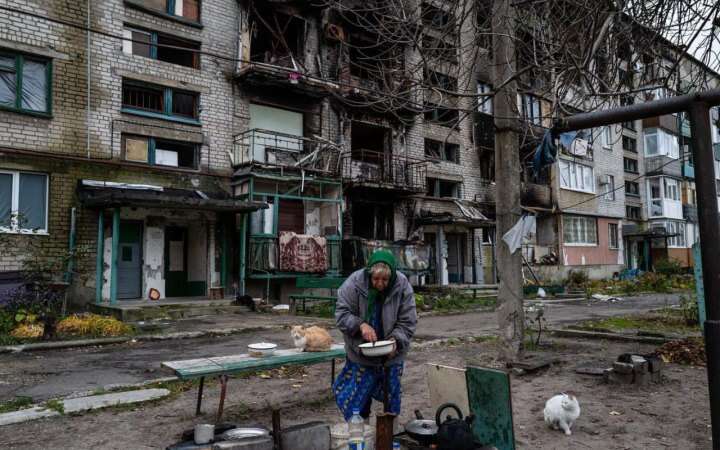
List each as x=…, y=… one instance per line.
x=143, y=311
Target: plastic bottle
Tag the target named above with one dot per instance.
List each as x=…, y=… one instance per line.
x=356, y=431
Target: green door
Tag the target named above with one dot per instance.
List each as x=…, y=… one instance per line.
x=176, y=277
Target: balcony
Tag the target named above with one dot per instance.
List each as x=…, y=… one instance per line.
x=263, y=257
x=532, y=195
x=663, y=165
x=280, y=75
x=371, y=169
x=690, y=213
x=671, y=209
x=272, y=148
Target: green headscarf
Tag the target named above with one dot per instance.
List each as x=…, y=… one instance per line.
x=375, y=296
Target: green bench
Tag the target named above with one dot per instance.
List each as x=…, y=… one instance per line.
x=314, y=283
x=224, y=366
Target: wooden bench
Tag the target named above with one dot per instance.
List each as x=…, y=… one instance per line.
x=314, y=283
x=224, y=366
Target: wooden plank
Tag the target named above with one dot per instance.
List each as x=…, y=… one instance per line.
x=491, y=403
x=225, y=365
x=447, y=385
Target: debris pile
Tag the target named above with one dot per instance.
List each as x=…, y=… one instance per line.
x=635, y=369
x=689, y=351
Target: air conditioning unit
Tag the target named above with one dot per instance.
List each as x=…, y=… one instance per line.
x=603, y=180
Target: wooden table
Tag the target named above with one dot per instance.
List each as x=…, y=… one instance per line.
x=224, y=366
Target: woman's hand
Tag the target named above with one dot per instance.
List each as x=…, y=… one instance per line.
x=368, y=333
x=394, y=352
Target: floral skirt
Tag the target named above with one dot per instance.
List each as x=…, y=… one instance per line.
x=357, y=385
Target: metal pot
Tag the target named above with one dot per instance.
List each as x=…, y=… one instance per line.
x=422, y=430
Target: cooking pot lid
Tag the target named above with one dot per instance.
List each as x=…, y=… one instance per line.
x=422, y=427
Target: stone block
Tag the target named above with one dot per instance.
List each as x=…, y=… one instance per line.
x=642, y=377
x=621, y=367
x=308, y=436
x=615, y=377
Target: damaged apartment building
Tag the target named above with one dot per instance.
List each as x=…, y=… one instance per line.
x=203, y=148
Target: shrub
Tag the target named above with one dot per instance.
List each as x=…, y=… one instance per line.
x=668, y=267
x=92, y=325
x=577, y=278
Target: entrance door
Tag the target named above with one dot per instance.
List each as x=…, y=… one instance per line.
x=456, y=257
x=176, y=277
x=130, y=261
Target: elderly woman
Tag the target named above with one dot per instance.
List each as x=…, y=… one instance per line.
x=376, y=303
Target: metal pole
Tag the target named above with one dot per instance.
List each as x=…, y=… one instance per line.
x=100, y=257
x=709, y=248
x=114, y=258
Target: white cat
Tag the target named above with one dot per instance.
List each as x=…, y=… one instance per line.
x=561, y=412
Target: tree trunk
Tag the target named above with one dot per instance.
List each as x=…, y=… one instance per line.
x=507, y=175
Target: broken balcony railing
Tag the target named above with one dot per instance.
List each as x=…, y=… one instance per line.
x=279, y=149
x=367, y=167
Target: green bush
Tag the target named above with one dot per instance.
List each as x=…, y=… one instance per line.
x=668, y=267
x=577, y=278
x=689, y=310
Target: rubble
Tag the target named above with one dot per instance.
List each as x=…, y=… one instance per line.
x=634, y=369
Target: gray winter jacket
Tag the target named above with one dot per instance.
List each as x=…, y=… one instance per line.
x=398, y=315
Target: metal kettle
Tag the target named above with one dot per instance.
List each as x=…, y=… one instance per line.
x=454, y=434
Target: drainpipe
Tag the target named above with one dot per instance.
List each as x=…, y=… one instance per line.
x=71, y=248
x=87, y=119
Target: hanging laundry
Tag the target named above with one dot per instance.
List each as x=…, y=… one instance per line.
x=524, y=227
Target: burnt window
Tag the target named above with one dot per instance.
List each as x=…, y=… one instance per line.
x=160, y=152
x=439, y=49
x=435, y=17
x=162, y=47
x=369, y=142
x=278, y=39
x=442, y=151
x=442, y=188
x=441, y=115
x=441, y=81
x=159, y=101
x=373, y=220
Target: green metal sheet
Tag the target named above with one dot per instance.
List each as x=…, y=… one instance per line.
x=491, y=403
x=699, y=286
x=226, y=365
x=319, y=282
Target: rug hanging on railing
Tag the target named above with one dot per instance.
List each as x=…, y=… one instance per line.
x=303, y=253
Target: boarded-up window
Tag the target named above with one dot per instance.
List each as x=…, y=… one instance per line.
x=191, y=9
x=291, y=216
x=136, y=149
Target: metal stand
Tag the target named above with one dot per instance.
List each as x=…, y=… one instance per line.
x=223, y=390
x=199, y=397
x=332, y=372
x=384, y=431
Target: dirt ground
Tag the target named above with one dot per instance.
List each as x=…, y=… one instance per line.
x=672, y=414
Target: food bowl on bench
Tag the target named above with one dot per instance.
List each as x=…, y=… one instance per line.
x=261, y=349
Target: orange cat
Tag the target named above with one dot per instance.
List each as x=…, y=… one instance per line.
x=312, y=339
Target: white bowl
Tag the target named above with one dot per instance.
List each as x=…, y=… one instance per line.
x=262, y=349
x=378, y=348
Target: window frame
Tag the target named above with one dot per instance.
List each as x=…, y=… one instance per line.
x=167, y=113
x=19, y=75
x=152, y=147
x=628, y=208
x=666, y=144
x=616, y=235
x=607, y=141
x=457, y=187
x=609, y=193
x=637, y=188
x=625, y=168
x=443, y=148
x=533, y=101
x=485, y=103
x=154, y=42
x=585, y=231
x=15, y=204
x=572, y=168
